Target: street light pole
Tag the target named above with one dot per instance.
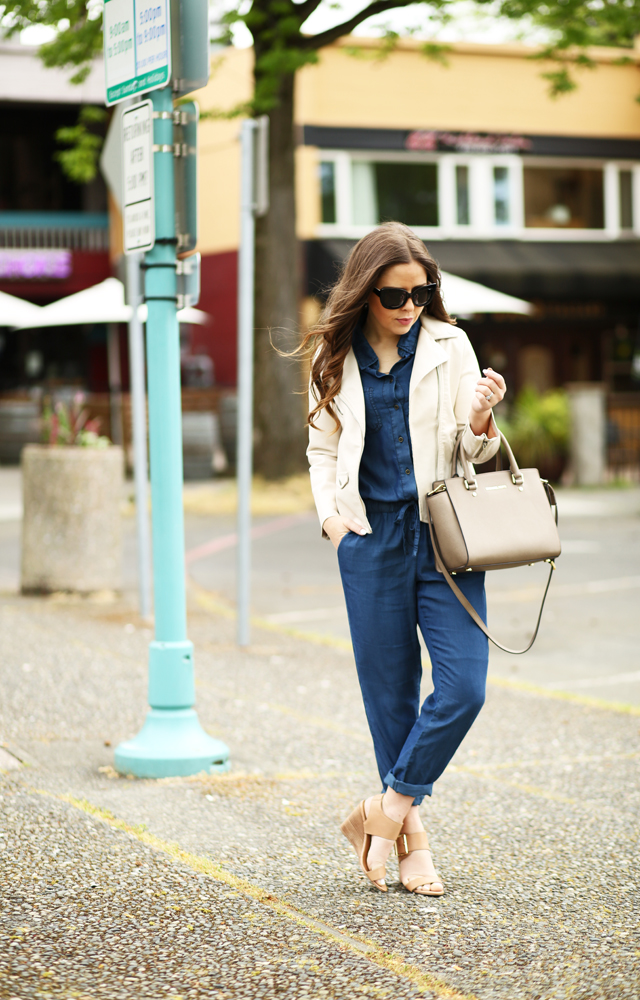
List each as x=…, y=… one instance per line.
x=172, y=741
x=253, y=201
x=138, y=396
x=244, y=458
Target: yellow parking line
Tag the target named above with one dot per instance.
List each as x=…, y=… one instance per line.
x=358, y=944
x=209, y=602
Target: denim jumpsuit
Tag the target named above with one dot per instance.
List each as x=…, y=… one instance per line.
x=392, y=588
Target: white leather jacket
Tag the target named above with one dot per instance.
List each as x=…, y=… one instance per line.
x=443, y=380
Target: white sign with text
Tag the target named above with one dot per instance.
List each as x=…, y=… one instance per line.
x=138, y=215
x=137, y=47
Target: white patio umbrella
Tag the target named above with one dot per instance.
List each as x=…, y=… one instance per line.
x=464, y=298
x=16, y=312
x=103, y=303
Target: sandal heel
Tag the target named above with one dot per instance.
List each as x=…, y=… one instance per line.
x=353, y=828
x=359, y=829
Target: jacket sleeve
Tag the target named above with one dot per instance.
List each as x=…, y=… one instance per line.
x=323, y=460
x=477, y=448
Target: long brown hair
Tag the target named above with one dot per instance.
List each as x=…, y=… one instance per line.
x=330, y=340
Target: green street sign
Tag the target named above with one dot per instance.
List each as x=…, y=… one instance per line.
x=137, y=47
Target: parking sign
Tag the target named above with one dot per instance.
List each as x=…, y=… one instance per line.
x=137, y=186
x=137, y=47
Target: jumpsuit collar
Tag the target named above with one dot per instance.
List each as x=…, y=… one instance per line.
x=367, y=357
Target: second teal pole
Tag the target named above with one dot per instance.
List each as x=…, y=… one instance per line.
x=172, y=742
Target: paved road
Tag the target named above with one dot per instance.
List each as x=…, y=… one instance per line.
x=240, y=887
x=590, y=635
x=589, y=640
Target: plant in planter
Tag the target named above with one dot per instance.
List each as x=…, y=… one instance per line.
x=70, y=425
x=538, y=429
x=72, y=489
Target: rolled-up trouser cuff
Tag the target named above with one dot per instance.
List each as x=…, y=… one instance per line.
x=402, y=788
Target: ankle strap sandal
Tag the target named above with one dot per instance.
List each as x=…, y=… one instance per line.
x=405, y=845
x=359, y=829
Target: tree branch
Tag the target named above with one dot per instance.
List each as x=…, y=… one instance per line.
x=332, y=34
x=306, y=9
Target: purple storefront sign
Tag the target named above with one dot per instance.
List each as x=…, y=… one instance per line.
x=467, y=142
x=34, y=264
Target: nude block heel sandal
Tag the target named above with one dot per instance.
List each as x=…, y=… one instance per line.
x=359, y=829
x=406, y=844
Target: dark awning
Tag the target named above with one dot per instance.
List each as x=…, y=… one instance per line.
x=339, y=137
x=529, y=270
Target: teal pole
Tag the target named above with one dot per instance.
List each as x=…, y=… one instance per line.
x=172, y=741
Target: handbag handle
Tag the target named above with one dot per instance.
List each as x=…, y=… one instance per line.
x=467, y=470
x=467, y=604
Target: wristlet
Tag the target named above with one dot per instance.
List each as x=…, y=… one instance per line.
x=494, y=520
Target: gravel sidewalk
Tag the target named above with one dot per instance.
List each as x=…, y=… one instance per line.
x=241, y=886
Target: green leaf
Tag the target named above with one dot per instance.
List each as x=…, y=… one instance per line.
x=80, y=162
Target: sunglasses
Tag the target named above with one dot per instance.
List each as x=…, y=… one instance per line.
x=395, y=298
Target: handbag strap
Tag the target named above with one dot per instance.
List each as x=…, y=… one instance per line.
x=470, y=608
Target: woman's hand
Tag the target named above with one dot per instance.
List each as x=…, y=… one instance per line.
x=489, y=391
x=337, y=527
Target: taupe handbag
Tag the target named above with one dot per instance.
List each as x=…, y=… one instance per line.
x=492, y=520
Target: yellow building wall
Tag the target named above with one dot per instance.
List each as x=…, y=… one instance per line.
x=484, y=88
x=219, y=150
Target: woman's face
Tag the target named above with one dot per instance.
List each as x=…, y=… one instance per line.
x=398, y=321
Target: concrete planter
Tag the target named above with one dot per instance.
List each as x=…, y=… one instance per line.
x=72, y=530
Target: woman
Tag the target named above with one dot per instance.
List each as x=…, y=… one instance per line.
x=393, y=382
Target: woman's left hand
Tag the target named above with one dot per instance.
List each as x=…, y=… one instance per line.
x=489, y=391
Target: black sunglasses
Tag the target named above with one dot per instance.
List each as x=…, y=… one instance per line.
x=395, y=298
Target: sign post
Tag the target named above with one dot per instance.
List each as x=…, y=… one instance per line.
x=137, y=58
x=254, y=138
x=137, y=380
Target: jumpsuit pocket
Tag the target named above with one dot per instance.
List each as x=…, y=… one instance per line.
x=374, y=420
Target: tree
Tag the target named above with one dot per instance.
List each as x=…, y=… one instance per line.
x=575, y=26
x=281, y=48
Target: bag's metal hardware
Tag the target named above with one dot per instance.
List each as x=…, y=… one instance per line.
x=470, y=486
x=439, y=489
x=503, y=487
x=517, y=482
x=474, y=494
x=551, y=563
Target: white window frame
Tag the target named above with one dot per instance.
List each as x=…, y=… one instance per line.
x=482, y=225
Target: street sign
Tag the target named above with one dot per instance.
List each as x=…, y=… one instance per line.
x=137, y=47
x=189, y=45
x=185, y=172
x=188, y=281
x=138, y=215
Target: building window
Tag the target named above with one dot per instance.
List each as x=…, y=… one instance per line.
x=404, y=192
x=563, y=197
x=328, y=190
x=501, y=196
x=626, y=199
x=462, y=195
